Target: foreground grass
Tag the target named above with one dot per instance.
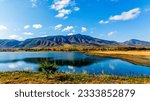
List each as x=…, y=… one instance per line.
x=62, y=78
x=136, y=57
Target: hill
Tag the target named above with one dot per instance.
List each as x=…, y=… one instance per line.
x=135, y=42
x=60, y=40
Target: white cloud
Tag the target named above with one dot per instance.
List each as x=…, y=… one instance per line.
x=60, y=4
x=59, y=15
x=26, y=26
x=44, y=36
x=70, y=67
x=131, y=14
x=110, y=33
x=28, y=33
x=15, y=65
x=14, y=36
x=103, y=22
x=76, y=8
x=62, y=13
x=83, y=29
x=3, y=28
x=70, y=34
x=58, y=27
x=68, y=29
x=37, y=26
x=34, y=3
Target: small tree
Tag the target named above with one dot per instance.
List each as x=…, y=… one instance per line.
x=49, y=68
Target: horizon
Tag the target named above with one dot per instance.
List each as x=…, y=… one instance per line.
x=73, y=35
x=117, y=20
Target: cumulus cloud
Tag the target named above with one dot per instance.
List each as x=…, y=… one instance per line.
x=110, y=33
x=70, y=34
x=61, y=5
x=3, y=28
x=76, y=8
x=83, y=29
x=37, y=26
x=15, y=65
x=103, y=22
x=58, y=27
x=28, y=33
x=14, y=36
x=43, y=35
x=68, y=29
x=62, y=13
x=131, y=14
x=26, y=26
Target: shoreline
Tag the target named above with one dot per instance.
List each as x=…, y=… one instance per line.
x=135, y=57
x=22, y=77
x=138, y=57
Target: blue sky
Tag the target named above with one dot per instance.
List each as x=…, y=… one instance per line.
x=118, y=20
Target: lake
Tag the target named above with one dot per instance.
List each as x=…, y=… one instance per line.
x=70, y=62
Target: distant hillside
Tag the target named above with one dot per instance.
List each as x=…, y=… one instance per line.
x=9, y=43
x=77, y=39
x=135, y=42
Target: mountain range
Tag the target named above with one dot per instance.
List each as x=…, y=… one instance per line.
x=77, y=39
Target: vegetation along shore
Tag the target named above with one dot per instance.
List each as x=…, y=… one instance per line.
x=136, y=57
x=19, y=77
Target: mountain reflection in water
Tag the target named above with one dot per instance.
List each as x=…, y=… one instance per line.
x=65, y=62
x=72, y=62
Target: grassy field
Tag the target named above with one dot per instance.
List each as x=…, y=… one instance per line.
x=61, y=78
x=136, y=57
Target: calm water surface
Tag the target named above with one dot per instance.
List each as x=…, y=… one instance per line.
x=72, y=62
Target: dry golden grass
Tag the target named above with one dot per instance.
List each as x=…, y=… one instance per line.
x=145, y=53
x=137, y=57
